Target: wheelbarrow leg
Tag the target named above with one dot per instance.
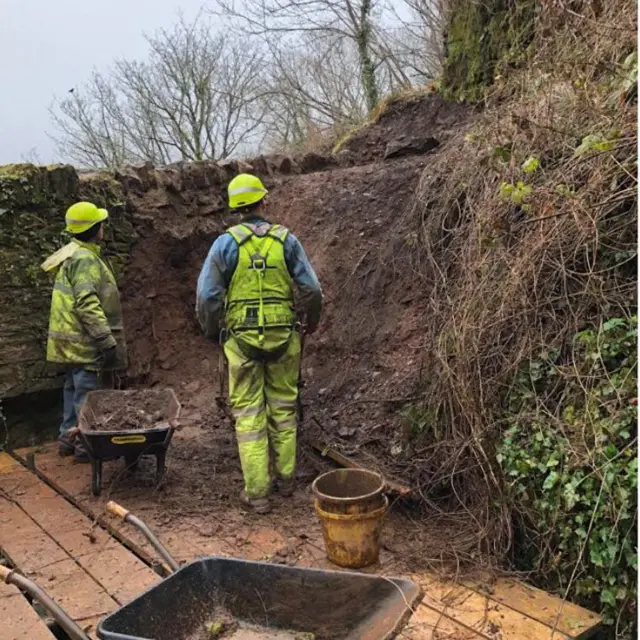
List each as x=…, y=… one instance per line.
x=96, y=476
x=160, y=465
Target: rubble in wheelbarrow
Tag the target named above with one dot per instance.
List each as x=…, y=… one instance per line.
x=135, y=410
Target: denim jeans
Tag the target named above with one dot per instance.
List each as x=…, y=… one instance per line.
x=77, y=385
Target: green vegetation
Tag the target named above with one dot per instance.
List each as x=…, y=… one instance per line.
x=526, y=227
x=569, y=456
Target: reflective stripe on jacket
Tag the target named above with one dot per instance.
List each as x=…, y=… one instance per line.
x=86, y=316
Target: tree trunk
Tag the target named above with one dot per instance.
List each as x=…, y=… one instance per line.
x=367, y=67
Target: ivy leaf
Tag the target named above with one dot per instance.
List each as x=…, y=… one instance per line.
x=530, y=164
x=613, y=323
x=608, y=597
x=594, y=143
x=570, y=497
x=551, y=481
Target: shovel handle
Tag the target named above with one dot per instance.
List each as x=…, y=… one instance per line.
x=116, y=510
x=5, y=572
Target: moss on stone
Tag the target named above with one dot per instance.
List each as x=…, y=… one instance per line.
x=480, y=37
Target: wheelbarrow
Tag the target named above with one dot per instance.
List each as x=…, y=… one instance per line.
x=229, y=598
x=129, y=444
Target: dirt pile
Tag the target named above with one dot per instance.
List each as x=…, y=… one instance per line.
x=130, y=410
x=407, y=127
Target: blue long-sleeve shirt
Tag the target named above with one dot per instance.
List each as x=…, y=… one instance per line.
x=217, y=271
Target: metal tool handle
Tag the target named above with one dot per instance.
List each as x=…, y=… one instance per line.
x=9, y=576
x=117, y=510
x=126, y=516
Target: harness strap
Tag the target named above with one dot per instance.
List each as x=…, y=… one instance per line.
x=259, y=266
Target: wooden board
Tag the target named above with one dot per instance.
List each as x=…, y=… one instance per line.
x=18, y=618
x=82, y=567
x=518, y=611
x=572, y=620
x=429, y=624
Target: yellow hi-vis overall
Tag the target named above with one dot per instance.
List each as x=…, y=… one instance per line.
x=263, y=351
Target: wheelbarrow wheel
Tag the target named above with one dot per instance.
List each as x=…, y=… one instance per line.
x=96, y=477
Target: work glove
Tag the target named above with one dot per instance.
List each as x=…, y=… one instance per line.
x=109, y=358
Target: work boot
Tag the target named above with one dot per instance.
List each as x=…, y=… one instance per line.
x=286, y=487
x=79, y=452
x=65, y=445
x=259, y=505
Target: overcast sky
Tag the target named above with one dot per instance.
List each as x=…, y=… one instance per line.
x=49, y=46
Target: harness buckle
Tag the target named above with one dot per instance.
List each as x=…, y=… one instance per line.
x=258, y=263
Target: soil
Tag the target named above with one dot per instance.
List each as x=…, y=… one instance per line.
x=406, y=127
x=368, y=347
x=130, y=410
x=200, y=492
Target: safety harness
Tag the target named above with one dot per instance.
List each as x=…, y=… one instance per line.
x=262, y=298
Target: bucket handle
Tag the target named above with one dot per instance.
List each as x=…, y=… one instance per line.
x=126, y=516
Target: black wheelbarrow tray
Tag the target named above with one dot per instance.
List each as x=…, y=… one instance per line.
x=129, y=444
x=264, y=600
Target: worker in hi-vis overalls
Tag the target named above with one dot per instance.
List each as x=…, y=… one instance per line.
x=245, y=299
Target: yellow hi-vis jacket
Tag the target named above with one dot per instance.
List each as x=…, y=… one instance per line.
x=86, y=316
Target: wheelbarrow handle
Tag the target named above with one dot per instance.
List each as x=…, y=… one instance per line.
x=117, y=510
x=124, y=514
x=73, y=631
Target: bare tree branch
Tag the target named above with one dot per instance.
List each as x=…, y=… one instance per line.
x=353, y=20
x=197, y=96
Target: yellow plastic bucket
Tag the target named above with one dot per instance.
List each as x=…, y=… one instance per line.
x=351, y=506
x=352, y=539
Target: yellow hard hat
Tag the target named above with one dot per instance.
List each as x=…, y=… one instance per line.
x=82, y=216
x=245, y=189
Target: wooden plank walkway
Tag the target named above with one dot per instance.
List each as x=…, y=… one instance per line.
x=511, y=611
x=52, y=542
x=19, y=619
